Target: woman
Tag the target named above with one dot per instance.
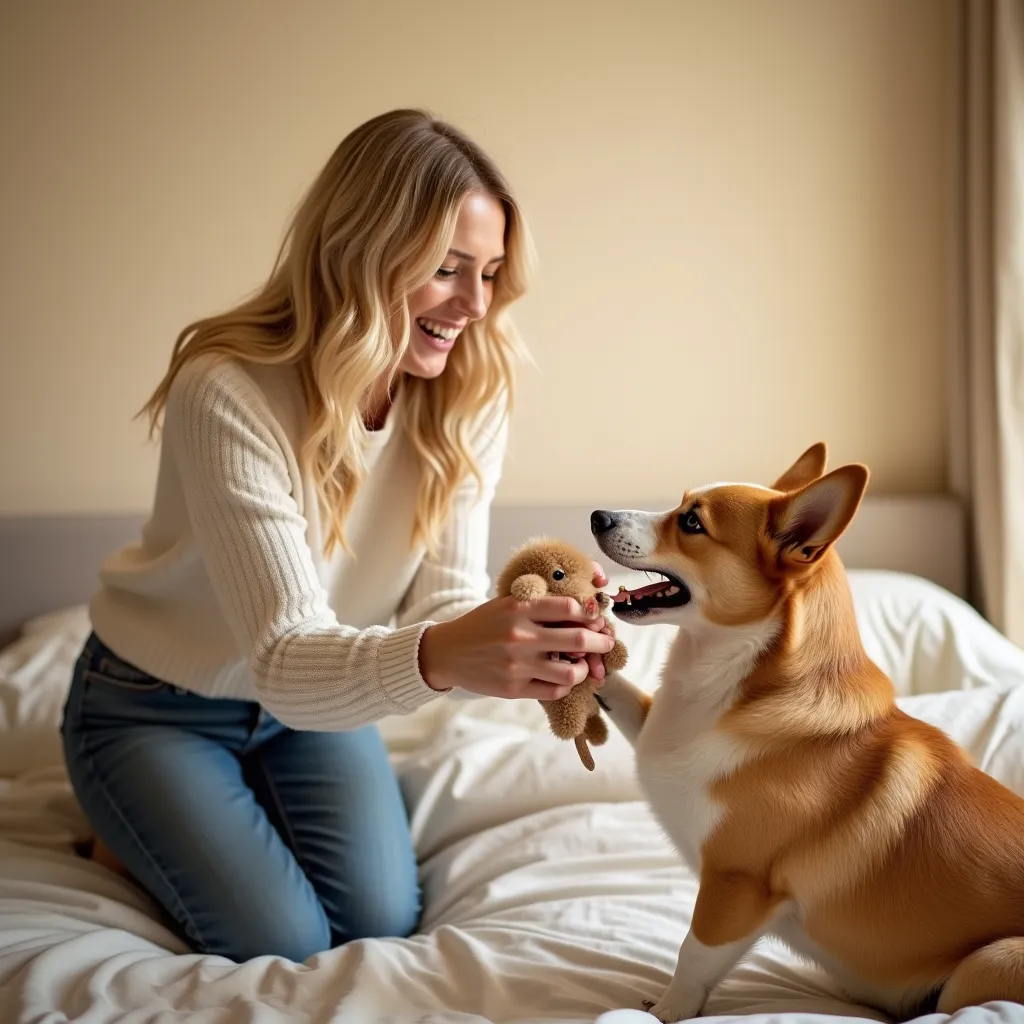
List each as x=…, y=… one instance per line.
x=315, y=560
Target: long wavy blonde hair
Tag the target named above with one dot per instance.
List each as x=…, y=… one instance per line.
x=375, y=225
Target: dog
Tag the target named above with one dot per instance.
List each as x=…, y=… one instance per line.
x=773, y=755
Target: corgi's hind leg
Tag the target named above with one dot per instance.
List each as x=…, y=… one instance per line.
x=994, y=972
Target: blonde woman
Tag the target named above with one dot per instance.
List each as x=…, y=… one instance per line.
x=315, y=560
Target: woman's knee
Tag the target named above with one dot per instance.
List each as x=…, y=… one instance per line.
x=297, y=940
x=292, y=928
x=390, y=914
x=377, y=895
x=293, y=934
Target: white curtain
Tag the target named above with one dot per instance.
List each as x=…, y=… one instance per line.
x=987, y=412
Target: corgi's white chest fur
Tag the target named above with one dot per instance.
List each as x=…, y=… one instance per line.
x=679, y=752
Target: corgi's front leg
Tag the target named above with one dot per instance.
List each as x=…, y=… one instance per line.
x=626, y=704
x=731, y=914
x=698, y=969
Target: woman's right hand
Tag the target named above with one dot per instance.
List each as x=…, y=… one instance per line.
x=502, y=648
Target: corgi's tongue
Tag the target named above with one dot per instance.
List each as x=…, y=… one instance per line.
x=629, y=595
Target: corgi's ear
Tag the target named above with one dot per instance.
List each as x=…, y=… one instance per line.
x=807, y=468
x=807, y=522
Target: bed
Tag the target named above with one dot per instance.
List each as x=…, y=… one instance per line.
x=550, y=894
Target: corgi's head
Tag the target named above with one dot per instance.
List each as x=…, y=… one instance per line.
x=729, y=552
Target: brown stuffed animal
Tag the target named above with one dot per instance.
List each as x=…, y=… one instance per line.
x=542, y=567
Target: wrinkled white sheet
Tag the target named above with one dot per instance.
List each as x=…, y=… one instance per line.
x=550, y=894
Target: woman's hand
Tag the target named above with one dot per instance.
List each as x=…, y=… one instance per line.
x=503, y=648
x=596, y=661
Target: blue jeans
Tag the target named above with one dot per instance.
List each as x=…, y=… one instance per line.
x=255, y=838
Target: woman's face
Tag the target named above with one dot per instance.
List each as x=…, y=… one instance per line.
x=461, y=290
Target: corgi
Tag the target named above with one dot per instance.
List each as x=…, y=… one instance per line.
x=774, y=757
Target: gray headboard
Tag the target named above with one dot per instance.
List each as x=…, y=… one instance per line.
x=50, y=562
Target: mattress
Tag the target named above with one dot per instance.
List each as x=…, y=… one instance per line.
x=550, y=894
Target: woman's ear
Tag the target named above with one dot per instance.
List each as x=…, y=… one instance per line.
x=807, y=522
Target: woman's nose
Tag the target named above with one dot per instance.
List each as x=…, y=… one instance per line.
x=472, y=299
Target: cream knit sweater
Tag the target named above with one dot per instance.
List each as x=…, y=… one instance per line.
x=227, y=593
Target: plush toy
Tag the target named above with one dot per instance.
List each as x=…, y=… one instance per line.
x=549, y=567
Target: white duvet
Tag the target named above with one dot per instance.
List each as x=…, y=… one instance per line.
x=550, y=894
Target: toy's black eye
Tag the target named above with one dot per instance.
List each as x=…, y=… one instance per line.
x=689, y=522
x=558, y=575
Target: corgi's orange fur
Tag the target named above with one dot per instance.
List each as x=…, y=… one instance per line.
x=774, y=756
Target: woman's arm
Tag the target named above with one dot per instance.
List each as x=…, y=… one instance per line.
x=310, y=671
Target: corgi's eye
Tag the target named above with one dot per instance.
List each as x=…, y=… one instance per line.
x=558, y=575
x=689, y=522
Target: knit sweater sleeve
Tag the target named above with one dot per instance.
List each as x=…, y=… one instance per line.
x=454, y=579
x=309, y=670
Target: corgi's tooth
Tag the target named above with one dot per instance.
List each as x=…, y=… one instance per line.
x=672, y=591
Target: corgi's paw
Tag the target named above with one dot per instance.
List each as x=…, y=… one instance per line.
x=615, y=660
x=674, y=1007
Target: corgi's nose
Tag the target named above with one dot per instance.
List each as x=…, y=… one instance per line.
x=601, y=521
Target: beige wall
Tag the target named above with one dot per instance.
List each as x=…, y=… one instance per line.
x=743, y=212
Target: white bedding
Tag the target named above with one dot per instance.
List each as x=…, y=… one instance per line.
x=550, y=895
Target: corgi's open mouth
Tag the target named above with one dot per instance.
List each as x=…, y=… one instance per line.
x=670, y=592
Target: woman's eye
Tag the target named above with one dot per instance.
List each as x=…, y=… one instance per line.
x=558, y=575
x=689, y=522
x=488, y=277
